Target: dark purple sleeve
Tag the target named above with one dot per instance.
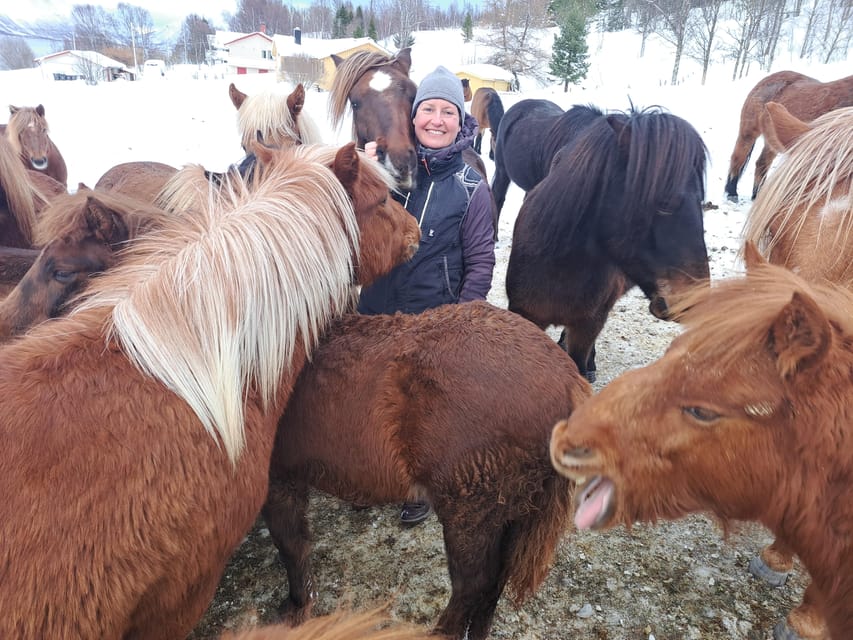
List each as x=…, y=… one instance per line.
x=478, y=245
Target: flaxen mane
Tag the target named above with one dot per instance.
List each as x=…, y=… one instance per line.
x=268, y=113
x=817, y=173
x=20, y=193
x=162, y=309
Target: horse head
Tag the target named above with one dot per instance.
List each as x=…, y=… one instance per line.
x=380, y=94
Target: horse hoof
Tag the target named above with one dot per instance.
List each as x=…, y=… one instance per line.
x=732, y=197
x=590, y=376
x=783, y=632
x=759, y=569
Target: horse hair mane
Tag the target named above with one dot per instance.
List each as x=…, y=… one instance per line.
x=347, y=74
x=67, y=212
x=267, y=112
x=19, y=190
x=215, y=302
x=816, y=165
x=735, y=314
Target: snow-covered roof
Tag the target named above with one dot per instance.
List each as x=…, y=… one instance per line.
x=316, y=48
x=486, y=71
x=89, y=56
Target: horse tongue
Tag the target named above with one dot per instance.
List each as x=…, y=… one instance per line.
x=594, y=503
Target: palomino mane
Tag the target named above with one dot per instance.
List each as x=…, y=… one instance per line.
x=21, y=195
x=191, y=187
x=215, y=304
x=347, y=75
x=816, y=172
x=67, y=213
x=21, y=118
x=734, y=315
x=268, y=113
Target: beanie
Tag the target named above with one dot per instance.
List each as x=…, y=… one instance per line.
x=441, y=83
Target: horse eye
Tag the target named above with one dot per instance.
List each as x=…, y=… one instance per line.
x=354, y=106
x=63, y=277
x=701, y=414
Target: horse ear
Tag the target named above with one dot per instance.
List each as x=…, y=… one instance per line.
x=106, y=225
x=780, y=127
x=403, y=60
x=296, y=100
x=346, y=166
x=40, y=110
x=13, y=109
x=800, y=336
x=337, y=60
x=752, y=257
x=620, y=124
x=81, y=186
x=262, y=153
x=237, y=96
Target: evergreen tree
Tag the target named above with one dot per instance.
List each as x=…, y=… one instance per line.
x=569, y=60
x=358, y=30
x=371, y=30
x=468, y=28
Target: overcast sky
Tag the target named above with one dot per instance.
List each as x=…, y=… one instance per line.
x=167, y=12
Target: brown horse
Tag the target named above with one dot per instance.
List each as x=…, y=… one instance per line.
x=80, y=236
x=140, y=179
x=487, y=108
x=802, y=219
x=440, y=407
x=466, y=89
x=20, y=199
x=370, y=625
x=381, y=95
x=138, y=430
x=14, y=263
x=28, y=133
x=805, y=97
x=281, y=121
x=745, y=416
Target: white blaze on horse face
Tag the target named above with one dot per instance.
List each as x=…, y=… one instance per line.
x=380, y=81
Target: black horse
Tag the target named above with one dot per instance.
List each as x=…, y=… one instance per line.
x=621, y=205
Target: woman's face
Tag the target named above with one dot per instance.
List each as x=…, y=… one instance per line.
x=436, y=123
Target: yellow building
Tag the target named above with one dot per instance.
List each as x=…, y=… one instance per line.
x=486, y=75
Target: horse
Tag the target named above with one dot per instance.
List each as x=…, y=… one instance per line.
x=434, y=406
x=138, y=429
x=466, y=89
x=381, y=94
x=20, y=200
x=14, y=263
x=28, y=133
x=532, y=132
x=80, y=235
x=621, y=206
x=139, y=179
x=342, y=625
x=745, y=416
x=487, y=108
x=801, y=219
x=805, y=97
x=281, y=121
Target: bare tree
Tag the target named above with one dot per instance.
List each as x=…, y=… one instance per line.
x=301, y=68
x=91, y=27
x=133, y=29
x=517, y=26
x=646, y=19
x=15, y=53
x=769, y=27
x=193, y=42
x=273, y=14
x=672, y=27
x=746, y=14
x=702, y=33
x=838, y=31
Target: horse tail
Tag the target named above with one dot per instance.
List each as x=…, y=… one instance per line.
x=535, y=536
x=495, y=111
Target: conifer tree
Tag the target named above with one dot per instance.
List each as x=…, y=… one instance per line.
x=468, y=28
x=569, y=60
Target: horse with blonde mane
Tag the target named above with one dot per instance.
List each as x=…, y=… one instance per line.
x=138, y=429
x=803, y=219
x=28, y=133
x=20, y=200
x=282, y=121
x=746, y=416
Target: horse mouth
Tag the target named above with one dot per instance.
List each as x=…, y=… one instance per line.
x=595, y=503
x=659, y=308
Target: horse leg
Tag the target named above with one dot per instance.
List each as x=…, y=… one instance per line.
x=500, y=184
x=477, y=579
x=478, y=141
x=805, y=622
x=285, y=513
x=743, y=149
x=773, y=563
x=762, y=165
x=579, y=342
x=492, y=144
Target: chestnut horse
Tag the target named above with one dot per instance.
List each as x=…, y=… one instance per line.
x=805, y=97
x=453, y=406
x=28, y=133
x=20, y=200
x=138, y=430
x=80, y=235
x=802, y=219
x=381, y=95
x=487, y=108
x=370, y=625
x=282, y=121
x=139, y=179
x=14, y=263
x=746, y=416
x=620, y=206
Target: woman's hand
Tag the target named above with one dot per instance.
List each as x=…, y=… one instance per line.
x=370, y=149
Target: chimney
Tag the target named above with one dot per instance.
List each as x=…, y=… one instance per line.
x=263, y=27
x=297, y=35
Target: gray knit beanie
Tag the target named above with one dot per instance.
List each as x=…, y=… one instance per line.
x=441, y=83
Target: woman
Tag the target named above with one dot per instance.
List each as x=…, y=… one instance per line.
x=453, y=206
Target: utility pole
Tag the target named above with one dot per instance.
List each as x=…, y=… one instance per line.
x=133, y=45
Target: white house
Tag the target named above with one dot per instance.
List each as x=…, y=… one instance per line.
x=90, y=66
x=248, y=52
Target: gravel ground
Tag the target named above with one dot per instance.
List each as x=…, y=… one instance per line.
x=673, y=580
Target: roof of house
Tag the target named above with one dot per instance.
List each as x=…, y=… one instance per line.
x=89, y=56
x=246, y=36
x=316, y=48
x=486, y=72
